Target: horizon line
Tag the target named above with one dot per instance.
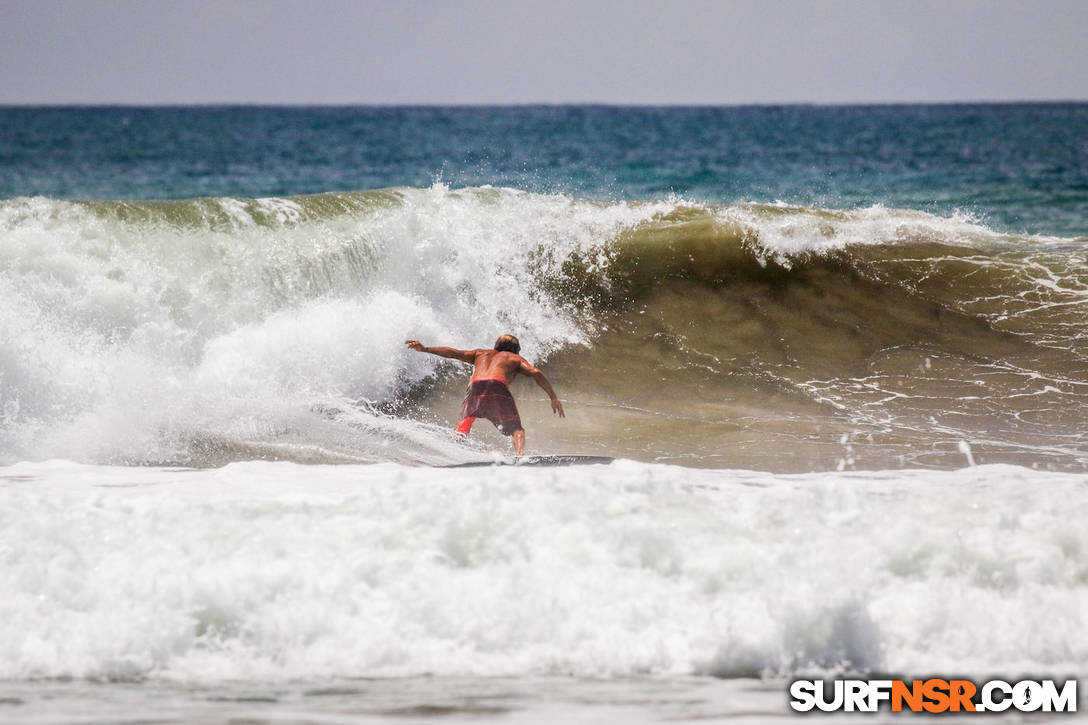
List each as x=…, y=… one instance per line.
x=529, y=104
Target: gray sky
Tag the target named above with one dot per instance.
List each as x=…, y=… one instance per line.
x=547, y=51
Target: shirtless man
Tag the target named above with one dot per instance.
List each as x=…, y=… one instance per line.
x=488, y=391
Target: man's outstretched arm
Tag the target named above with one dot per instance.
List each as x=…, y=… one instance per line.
x=542, y=381
x=468, y=356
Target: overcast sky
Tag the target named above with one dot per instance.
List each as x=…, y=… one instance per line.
x=547, y=51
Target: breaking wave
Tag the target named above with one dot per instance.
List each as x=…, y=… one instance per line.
x=210, y=330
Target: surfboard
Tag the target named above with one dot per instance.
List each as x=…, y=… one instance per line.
x=561, y=460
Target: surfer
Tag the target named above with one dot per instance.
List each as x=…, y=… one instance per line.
x=489, y=389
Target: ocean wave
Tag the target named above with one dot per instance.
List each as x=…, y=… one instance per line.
x=202, y=330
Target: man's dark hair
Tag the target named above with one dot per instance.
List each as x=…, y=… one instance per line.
x=508, y=343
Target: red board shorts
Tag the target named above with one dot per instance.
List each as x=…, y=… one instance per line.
x=490, y=398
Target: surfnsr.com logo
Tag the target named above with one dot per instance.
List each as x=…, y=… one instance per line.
x=934, y=695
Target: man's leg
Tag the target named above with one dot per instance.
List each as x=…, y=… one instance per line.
x=465, y=426
x=519, y=442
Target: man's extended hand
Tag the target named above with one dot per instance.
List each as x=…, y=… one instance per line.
x=557, y=407
x=415, y=345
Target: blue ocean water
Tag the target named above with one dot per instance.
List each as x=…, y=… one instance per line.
x=1020, y=168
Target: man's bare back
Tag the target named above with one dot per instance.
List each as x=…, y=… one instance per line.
x=500, y=365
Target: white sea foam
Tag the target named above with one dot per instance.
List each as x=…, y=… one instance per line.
x=269, y=571
x=124, y=336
